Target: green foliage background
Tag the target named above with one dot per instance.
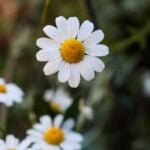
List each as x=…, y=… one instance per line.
x=121, y=110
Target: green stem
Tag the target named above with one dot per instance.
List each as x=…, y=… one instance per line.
x=44, y=13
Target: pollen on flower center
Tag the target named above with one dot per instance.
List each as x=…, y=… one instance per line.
x=55, y=107
x=54, y=136
x=72, y=51
x=10, y=149
x=3, y=88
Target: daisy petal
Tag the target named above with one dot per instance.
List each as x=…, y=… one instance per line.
x=47, y=55
x=67, y=145
x=85, y=30
x=52, y=66
x=64, y=72
x=95, y=63
x=73, y=26
x=58, y=120
x=61, y=24
x=53, y=33
x=46, y=43
x=74, y=137
x=97, y=50
x=74, y=78
x=86, y=70
x=68, y=124
x=94, y=38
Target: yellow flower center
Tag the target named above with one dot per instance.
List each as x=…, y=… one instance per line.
x=54, y=136
x=72, y=51
x=3, y=88
x=10, y=149
x=55, y=107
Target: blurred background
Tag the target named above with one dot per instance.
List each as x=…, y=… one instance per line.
x=120, y=95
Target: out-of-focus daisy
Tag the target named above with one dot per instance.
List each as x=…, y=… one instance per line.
x=12, y=143
x=59, y=100
x=87, y=111
x=10, y=93
x=72, y=50
x=53, y=135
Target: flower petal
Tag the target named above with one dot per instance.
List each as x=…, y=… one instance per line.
x=52, y=66
x=86, y=70
x=62, y=26
x=73, y=26
x=68, y=124
x=74, y=78
x=47, y=55
x=58, y=120
x=53, y=33
x=46, y=43
x=95, y=63
x=85, y=30
x=64, y=72
x=98, y=50
x=74, y=137
x=96, y=37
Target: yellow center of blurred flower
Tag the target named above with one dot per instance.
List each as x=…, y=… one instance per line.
x=10, y=149
x=54, y=136
x=55, y=107
x=72, y=51
x=3, y=88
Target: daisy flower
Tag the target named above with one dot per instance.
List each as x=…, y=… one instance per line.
x=53, y=135
x=72, y=50
x=12, y=143
x=10, y=93
x=59, y=100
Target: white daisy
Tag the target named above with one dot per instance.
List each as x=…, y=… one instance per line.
x=53, y=135
x=72, y=50
x=59, y=100
x=10, y=93
x=12, y=143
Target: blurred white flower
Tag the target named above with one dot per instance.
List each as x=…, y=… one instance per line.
x=10, y=93
x=59, y=100
x=12, y=143
x=53, y=135
x=72, y=50
x=146, y=84
x=87, y=111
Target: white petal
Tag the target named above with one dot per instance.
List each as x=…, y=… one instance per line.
x=46, y=43
x=52, y=66
x=68, y=124
x=2, y=81
x=96, y=63
x=58, y=120
x=86, y=70
x=11, y=141
x=73, y=26
x=94, y=38
x=85, y=30
x=47, y=55
x=68, y=145
x=34, y=133
x=24, y=144
x=2, y=145
x=74, y=78
x=74, y=137
x=46, y=121
x=64, y=72
x=53, y=33
x=98, y=50
x=62, y=26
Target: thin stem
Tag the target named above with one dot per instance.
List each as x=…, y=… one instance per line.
x=44, y=13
